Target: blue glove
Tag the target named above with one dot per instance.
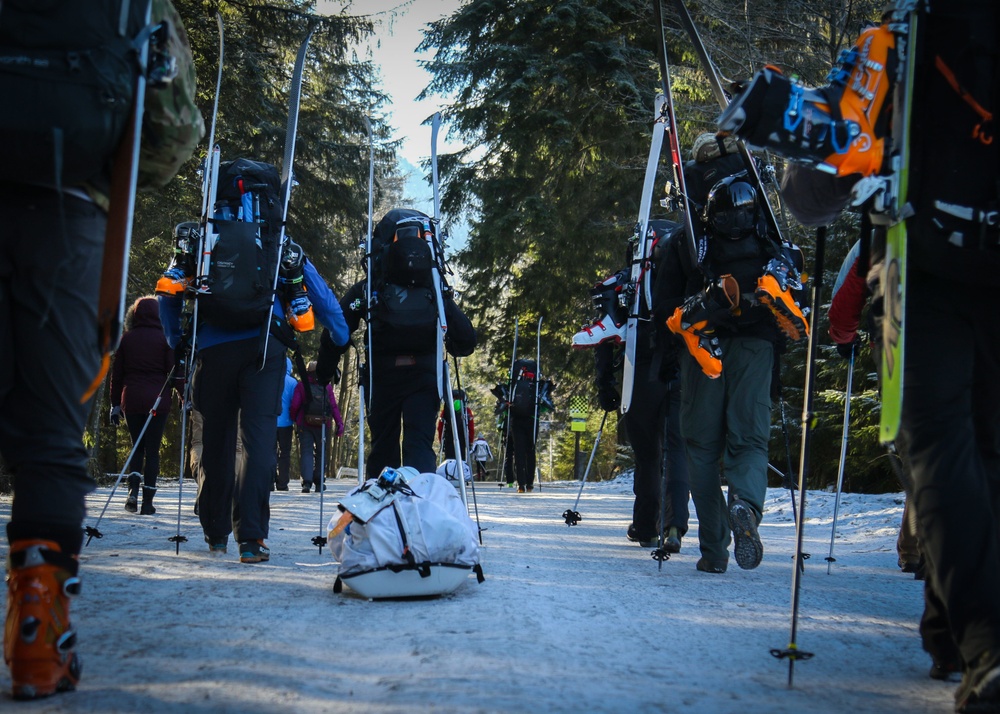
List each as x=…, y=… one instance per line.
x=116, y=415
x=175, y=274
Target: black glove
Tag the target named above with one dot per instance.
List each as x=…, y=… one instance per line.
x=608, y=398
x=116, y=415
x=847, y=348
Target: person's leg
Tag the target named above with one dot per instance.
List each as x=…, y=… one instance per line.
x=702, y=428
x=951, y=426
x=135, y=422
x=307, y=453
x=49, y=280
x=151, y=445
x=320, y=436
x=260, y=404
x=384, y=422
x=643, y=424
x=747, y=370
x=420, y=408
x=215, y=395
x=678, y=486
x=284, y=457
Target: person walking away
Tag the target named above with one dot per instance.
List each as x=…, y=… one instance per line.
x=55, y=200
x=142, y=364
x=312, y=413
x=482, y=453
x=286, y=426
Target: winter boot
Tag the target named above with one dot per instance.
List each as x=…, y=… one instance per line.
x=774, y=290
x=132, y=501
x=980, y=687
x=38, y=637
x=672, y=544
x=747, y=548
x=254, y=551
x=147, y=501
x=180, y=272
x=694, y=319
x=299, y=310
x=607, y=296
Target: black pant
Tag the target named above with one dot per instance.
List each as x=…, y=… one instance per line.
x=523, y=439
x=146, y=459
x=235, y=398
x=654, y=405
x=284, y=454
x=50, y=272
x=404, y=398
x=311, y=462
x=951, y=437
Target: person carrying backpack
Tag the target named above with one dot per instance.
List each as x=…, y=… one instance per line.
x=482, y=453
x=65, y=184
x=244, y=328
x=142, y=363
x=311, y=412
x=403, y=330
x=529, y=396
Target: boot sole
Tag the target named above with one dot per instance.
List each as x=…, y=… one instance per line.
x=748, y=549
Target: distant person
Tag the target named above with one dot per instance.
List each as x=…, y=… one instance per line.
x=482, y=453
x=142, y=364
x=314, y=414
x=286, y=428
x=466, y=426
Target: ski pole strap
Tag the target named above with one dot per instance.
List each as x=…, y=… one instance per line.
x=983, y=131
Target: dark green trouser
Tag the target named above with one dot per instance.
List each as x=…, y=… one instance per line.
x=726, y=420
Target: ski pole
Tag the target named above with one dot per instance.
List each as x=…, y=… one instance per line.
x=660, y=553
x=538, y=382
x=92, y=531
x=792, y=652
x=468, y=454
x=843, y=457
x=787, y=481
x=571, y=515
x=320, y=540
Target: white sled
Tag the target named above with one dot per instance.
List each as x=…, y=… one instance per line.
x=383, y=583
x=410, y=537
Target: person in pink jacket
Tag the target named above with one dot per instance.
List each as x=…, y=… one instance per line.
x=311, y=412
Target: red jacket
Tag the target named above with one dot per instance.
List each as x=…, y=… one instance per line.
x=847, y=306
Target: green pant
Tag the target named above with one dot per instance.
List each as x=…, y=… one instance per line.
x=727, y=420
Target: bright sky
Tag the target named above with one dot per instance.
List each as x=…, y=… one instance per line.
x=398, y=27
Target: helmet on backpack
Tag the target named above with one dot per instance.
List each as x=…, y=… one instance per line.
x=731, y=209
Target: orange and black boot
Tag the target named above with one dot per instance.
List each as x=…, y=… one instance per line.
x=180, y=272
x=774, y=289
x=39, y=641
x=700, y=341
x=694, y=322
x=298, y=308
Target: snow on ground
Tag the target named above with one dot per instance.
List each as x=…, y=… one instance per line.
x=568, y=619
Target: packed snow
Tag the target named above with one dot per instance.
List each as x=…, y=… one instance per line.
x=569, y=619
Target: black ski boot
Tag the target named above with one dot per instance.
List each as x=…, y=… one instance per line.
x=132, y=502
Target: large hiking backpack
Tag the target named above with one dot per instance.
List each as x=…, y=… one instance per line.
x=404, y=314
x=400, y=254
x=524, y=388
x=67, y=77
x=317, y=411
x=240, y=281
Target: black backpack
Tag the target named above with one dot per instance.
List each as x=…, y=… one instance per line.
x=67, y=77
x=400, y=254
x=524, y=387
x=240, y=281
x=404, y=315
x=317, y=405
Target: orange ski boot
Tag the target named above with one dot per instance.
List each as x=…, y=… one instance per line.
x=38, y=639
x=774, y=289
x=179, y=274
x=700, y=342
